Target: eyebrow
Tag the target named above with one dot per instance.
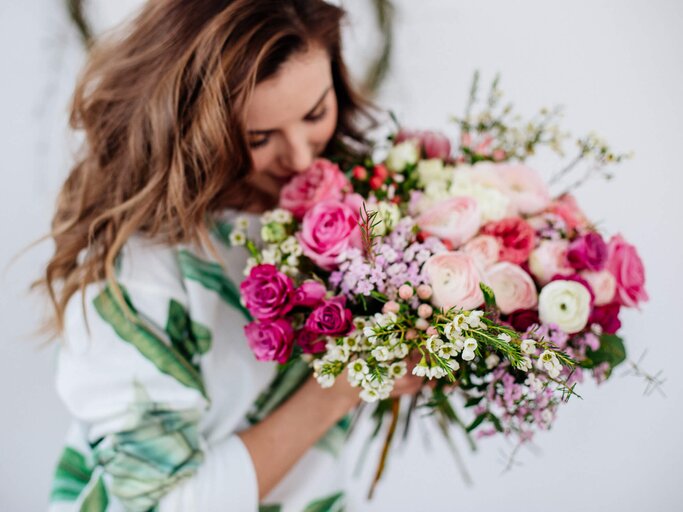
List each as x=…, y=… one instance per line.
x=317, y=104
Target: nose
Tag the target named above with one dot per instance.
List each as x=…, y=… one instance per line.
x=298, y=153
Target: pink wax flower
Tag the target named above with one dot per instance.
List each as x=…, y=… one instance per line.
x=568, y=209
x=514, y=289
x=587, y=252
x=607, y=317
x=516, y=236
x=323, y=180
x=456, y=220
x=527, y=191
x=328, y=229
x=330, y=318
x=270, y=341
x=484, y=249
x=627, y=267
x=603, y=284
x=267, y=292
x=309, y=294
x=310, y=342
x=454, y=279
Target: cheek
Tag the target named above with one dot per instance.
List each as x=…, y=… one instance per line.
x=262, y=160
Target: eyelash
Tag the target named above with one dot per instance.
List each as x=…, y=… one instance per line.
x=312, y=118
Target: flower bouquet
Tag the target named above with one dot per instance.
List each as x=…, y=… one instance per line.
x=455, y=263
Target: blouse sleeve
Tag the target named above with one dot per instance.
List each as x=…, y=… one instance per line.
x=132, y=378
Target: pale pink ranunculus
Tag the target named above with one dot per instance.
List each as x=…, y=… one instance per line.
x=456, y=220
x=513, y=287
x=628, y=269
x=550, y=259
x=484, y=249
x=328, y=229
x=603, y=284
x=323, y=180
x=454, y=279
x=527, y=191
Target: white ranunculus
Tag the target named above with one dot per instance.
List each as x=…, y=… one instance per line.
x=402, y=155
x=566, y=304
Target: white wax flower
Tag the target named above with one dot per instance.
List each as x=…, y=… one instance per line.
x=402, y=155
x=381, y=353
x=237, y=238
x=398, y=369
x=242, y=223
x=528, y=346
x=566, y=304
x=434, y=343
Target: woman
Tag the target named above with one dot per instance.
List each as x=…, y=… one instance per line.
x=197, y=112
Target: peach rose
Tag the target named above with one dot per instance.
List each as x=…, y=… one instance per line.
x=603, y=284
x=514, y=289
x=454, y=279
x=550, y=259
x=456, y=220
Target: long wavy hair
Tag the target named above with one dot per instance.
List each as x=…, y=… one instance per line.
x=161, y=104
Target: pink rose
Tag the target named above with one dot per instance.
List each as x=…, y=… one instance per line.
x=587, y=252
x=323, y=180
x=270, y=341
x=456, y=220
x=526, y=189
x=310, y=342
x=435, y=145
x=549, y=259
x=330, y=318
x=267, y=292
x=309, y=294
x=568, y=209
x=514, y=289
x=627, y=267
x=603, y=284
x=328, y=229
x=516, y=236
x=484, y=249
x=454, y=279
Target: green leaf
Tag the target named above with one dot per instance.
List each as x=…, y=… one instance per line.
x=489, y=296
x=611, y=351
x=471, y=402
x=270, y=508
x=212, y=277
x=165, y=357
x=71, y=476
x=334, y=503
x=477, y=421
x=97, y=499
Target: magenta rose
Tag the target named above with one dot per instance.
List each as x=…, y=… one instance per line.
x=267, y=292
x=435, y=145
x=328, y=229
x=323, y=180
x=309, y=294
x=588, y=252
x=607, y=317
x=310, y=342
x=270, y=341
x=523, y=319
x=330, y=318
x=627, y=267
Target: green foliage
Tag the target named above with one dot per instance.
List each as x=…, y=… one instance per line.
x=611, y=351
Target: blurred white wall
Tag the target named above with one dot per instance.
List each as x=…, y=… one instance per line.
x=618, y=68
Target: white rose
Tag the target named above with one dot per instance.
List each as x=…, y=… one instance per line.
x=401, y=155
x=431, y=170
x=566, y=304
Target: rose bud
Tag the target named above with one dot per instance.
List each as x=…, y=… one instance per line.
x=360, y=173
x=376, y=182
x=424, y=311
x=424, y=291
x=391, y=307
x=380, y=171
x=405, y=291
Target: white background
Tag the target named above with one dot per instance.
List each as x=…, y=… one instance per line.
x=617, y=66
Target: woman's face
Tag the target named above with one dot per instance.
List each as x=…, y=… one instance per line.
x=290, y=119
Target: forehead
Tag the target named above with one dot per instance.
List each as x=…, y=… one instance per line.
x=292, y=92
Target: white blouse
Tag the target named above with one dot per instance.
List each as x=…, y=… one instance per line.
x=158, y=392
